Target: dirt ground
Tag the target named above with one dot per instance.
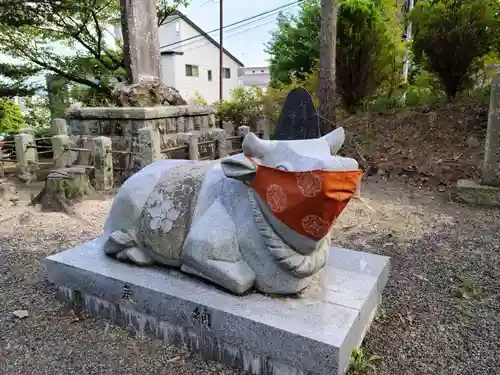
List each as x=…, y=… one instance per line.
x=440, y=313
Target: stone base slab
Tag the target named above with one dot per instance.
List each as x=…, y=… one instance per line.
x=473, y=192
x=265, y=335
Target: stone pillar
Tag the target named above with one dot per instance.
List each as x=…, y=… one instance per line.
x=60, y=149
x=229, y=127
x=32, y=131
x=181, y=124
x=263, y=126
x=243, y=130
x=26, y=157
x=211, y=120
x=192, y=141
x=140, y=40
x=197, y=122
x=189, y=124
x=59, y=126
x=149, y=146
x=491, y=167
x=171, y=125
x=103, y=163
x=220, y=136
x=28, y=130
x=205, y=122
x=85, y=157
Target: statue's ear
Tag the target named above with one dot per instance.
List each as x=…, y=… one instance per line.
x=335, y=139
x=239, y=168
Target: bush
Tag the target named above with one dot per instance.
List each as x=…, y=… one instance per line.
x=245, y=105
x=199, y=99
x=11, y=118
x=450, y=36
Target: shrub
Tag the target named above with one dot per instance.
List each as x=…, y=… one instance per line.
x=11, y=118
x=450, y=36
x=199, y=99
x=243, y=108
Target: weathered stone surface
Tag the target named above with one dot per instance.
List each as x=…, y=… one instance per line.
x=146, y=94
x=132, y=113
x=59, y=126
x=103, y=163
x=469, y=191
x=140, y=40
x=26, y=157
x=62, y=156
x=299, y=118
x=491, y=165
x=266, y=254
x=313, y=334
x=149, y=146
x=64, y=187
x=8, y=193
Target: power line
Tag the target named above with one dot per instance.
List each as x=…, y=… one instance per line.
x=230, y=30
x=229, y=36
x=237, y=23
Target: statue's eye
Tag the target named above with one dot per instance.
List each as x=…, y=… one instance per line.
x=282, y=167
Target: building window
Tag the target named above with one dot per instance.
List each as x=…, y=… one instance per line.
x=226, y=72
x=192, y=71
x=209, y=72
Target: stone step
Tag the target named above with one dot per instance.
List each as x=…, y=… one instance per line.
x=269, y=335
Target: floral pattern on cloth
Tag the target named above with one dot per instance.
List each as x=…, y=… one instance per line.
x=308, y=202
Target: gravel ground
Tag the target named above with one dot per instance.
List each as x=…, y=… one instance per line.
x=440, y=313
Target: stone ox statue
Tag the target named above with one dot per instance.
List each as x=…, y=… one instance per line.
x=258, y=219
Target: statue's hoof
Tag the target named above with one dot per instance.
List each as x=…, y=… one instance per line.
x=137, y=256
x=117, y=241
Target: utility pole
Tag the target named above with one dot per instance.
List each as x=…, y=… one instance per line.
x=221, y=56
x=328, y=41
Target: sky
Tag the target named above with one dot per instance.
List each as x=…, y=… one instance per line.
x=245, y=42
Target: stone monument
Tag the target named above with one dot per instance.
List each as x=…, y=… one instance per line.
x=142, y=58
x=487, y=191
x=299, y=118
x=260, y=222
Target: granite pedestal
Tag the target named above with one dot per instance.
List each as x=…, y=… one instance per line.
x=264, y=335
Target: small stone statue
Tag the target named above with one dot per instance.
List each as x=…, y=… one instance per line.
x=261, y=219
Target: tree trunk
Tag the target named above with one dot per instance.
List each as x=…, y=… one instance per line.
x=328, y=41
x=63, y=188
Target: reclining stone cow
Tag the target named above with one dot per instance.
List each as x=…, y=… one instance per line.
x=242, y=222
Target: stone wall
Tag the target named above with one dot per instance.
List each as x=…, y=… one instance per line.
x=122, y=126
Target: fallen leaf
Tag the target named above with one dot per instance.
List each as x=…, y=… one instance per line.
x=420, y=277
x=21, y=314
x=175, y=359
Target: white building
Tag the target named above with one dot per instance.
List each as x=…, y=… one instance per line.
x=190, y=60
x=254, y=76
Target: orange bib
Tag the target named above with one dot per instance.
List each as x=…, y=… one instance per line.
x=308, y=202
